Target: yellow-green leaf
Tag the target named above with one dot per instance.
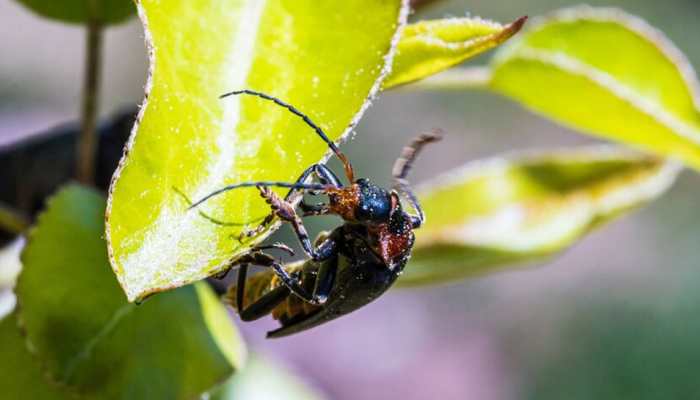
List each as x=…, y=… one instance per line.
x=497, y=213
x=326, y=58
x=428, y=47
x=81, y=11
x=89, y=337
x=608, y=74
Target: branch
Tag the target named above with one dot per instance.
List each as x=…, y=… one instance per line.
x=12, y=220
x=85, y=163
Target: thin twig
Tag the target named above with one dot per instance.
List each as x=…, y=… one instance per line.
x=85, y=163
x=12, y=221
x=454, y=79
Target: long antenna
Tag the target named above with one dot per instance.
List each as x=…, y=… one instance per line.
x=346, y=163
x=298, y=185
x=403, y=165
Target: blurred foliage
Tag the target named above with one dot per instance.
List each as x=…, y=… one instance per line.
x=608, y=74
x=428, y=47
x=33, y=169
x=10, y=264
x=618, y=347
x=597, y=62
x=82, y=11
x=25, y=380
x=11, y=220
x=185, y=340
x=215, y=141
x=525, y=207
x=263, y=379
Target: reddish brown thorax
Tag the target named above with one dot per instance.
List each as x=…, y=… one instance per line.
x=344, y=201
x=391, y=246
x=389, y=242
x=393, y=242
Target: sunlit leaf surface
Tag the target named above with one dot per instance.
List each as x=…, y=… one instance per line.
x=428, y=47
x=80, y=11
x=85, y=333
x=608, y=74
x=499, y=213
x=326, y=58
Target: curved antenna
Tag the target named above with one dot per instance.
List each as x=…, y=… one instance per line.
x=298, y=185
x=346, y=163
x=403, y=165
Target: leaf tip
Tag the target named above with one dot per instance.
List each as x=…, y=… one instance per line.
x=514, y=27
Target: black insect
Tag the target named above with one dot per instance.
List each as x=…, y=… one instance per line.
x=347, y=267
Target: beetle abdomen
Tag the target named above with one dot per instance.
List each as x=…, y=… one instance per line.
x=258, y=285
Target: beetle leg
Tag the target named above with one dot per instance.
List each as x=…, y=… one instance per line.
x=251, y=257
x=291, y=282
x=314, y=209
x=262, y=306
x=286, y=212
x=265, y=304
x=324, y=283
x=295, y=285
x=324, y=175
x=326, y=250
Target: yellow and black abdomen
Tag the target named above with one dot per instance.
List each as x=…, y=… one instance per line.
x=258, y=285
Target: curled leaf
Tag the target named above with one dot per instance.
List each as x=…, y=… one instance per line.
x=608, y=74
x=428, y=47
x=85, y=333
x=325, y=58
x=498, y=213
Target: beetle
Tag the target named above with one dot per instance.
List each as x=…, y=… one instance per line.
x=346, y=268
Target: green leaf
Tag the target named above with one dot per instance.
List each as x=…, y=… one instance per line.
x=608, y=74
x=263, y=379
x=492, y=214
x=428, y=47
x=325, y=58
x=21, y=377
x=81, y=11
x=86, y=334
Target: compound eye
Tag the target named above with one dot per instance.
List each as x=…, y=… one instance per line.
x=375, y=204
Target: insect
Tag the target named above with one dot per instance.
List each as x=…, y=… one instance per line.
x=346, y=268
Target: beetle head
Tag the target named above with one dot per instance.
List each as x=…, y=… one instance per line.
x=366, y=203
x=374, y=204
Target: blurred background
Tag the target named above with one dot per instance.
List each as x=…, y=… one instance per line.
x=616, y=316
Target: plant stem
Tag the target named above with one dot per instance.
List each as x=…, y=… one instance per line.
x=455, y=79
x=86, y=151
x=12, y=220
